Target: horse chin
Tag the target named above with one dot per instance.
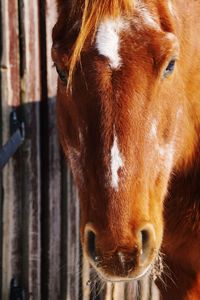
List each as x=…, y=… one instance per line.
x=134, y=276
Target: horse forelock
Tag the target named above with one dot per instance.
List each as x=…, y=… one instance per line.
x=91, y=14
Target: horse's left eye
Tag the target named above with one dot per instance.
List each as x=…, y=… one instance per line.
x=62, y=74
x=170, y=68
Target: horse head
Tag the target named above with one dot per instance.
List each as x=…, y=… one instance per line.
x=122, y=125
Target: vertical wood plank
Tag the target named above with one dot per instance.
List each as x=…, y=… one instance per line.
x=54, y=208
x=51, y=15
x=10, y=54
x=51, y=206
x=155, y=295
x=10, y=96
x=73, y=246
x=109, y=291
x=54, y=163
x=118, y=292
x=31, y=78
x=131, y=291
x=64, y=225
x=30, y=151
x=145, y=288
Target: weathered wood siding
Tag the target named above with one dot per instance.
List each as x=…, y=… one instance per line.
x=39, y=210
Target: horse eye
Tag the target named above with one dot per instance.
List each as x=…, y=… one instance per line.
x=62, y=74
x=170, y=68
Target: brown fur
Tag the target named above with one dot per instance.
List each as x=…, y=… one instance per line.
x=130, y=98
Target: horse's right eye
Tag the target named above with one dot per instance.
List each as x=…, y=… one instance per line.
x=62, y=74
x=170, y=68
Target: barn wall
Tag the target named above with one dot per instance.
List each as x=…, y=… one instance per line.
x=39, y=211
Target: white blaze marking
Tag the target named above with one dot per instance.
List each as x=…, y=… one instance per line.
x=153, y=131
x=116, y=163
x=168, y=154
x=171, y=9
x=171, y=37
x=167, y=151
x=108, y=40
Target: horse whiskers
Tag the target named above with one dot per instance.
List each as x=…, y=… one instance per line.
x=96, y=283
x=100, y=286
x=161, y=270
x=167, y=274
x=157, y=267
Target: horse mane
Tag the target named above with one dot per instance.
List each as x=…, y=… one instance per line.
x=92, y=13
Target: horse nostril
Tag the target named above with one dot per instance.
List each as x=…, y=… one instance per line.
x=91, y=244
x=147, y=242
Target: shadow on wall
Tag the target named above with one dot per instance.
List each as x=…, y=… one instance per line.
x=40, y=239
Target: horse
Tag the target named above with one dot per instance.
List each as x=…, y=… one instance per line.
x=128, y=113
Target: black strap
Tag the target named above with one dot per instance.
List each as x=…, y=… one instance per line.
x=16, y=291
x=14, y=142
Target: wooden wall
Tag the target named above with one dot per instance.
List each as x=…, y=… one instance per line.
x=39, y=212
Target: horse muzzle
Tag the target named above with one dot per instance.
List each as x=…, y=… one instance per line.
x=123, y=262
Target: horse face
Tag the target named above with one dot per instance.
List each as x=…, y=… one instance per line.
x=119, y=130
